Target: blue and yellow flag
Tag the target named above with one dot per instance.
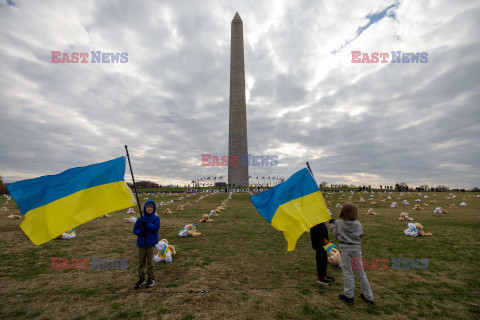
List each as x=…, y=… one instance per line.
x=293, y=206
x=57, y=203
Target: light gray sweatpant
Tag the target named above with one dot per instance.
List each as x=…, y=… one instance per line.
x=348, y=265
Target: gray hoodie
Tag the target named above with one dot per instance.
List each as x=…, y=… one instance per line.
x=348, y=233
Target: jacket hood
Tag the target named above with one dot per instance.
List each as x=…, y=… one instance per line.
x=154, y=206
x=350, y=225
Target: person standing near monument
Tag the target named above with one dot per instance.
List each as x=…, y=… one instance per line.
x=318, y=234
x=146, y=229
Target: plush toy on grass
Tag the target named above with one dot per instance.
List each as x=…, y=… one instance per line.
x=361, y=199
x=189, y=231
x=463, y=204
x=421, y=233
x=405, y=217
x=167, y=211
x=180, y=208
x=453, y=206
x=405, y=202
x=371, y=212
x=14, y=216
x=106, y=216
x=440, y=210
x=205, y=218
x=188, y=204
x=417, y=207
x=131, y=219
x=411, y=231
x=164, y=252
x=4, y=209
x=67, y=235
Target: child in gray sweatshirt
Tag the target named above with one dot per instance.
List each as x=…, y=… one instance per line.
x=348, y=232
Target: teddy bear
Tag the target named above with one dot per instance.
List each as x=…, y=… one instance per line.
x=67, y=235
x=106, y=216
x=196, y=201
x=417, y=207
x=131, y=219
x=205, y=218
x=371, y=212
x=440, y=210
x=131, y=211
x=164, y=252
x=373, y=202
x=167, y=211
x=426, y=204
x=4, y=209
x=361, y=199
x=14, y=216
x=213, y=213
x=411, y=231
x=180, y=208
x=338, y=205
x=393, y=205
x=453, y=206
x=189, y=231
x=188, y=204
x=405, y=202
x=421, y=233
x=333, y=255
x=404, y=216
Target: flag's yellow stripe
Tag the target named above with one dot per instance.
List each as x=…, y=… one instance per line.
x=288, y=219
x=47, y=222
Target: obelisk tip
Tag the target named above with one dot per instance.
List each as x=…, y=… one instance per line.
x=237, y=18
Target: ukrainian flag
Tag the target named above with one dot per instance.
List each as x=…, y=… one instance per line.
x=293, y=206
x=57, y=203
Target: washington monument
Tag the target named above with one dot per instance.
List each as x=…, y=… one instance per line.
x=237, y=134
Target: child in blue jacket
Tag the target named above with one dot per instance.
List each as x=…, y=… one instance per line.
x=146, y=229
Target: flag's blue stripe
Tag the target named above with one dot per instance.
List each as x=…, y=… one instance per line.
x=34, y=193
x=300, y=184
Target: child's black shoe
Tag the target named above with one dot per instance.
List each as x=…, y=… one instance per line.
x=139, y=283
x=150, y=283
x=324, y=280
x=345, y=299
x=329, y=278
x=367, y=301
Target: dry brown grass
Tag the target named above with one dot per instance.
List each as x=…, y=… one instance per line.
x=239, y=267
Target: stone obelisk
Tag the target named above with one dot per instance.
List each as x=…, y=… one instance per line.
x=237, y=134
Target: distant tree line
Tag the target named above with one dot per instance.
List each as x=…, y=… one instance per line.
x=3, y=187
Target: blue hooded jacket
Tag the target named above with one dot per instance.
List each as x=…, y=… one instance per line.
x=152, y=227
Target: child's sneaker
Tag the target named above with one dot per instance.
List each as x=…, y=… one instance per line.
x=345, y=299
x=324, y=280
x=139, y=283
x=366, y=300
x=150, y=283
x=329, y=278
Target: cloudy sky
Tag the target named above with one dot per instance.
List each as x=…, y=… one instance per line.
x=356, y=123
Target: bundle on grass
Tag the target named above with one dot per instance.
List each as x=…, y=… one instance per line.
x=189, y=231
x=167, y=211
x=14, y=216
x=164, y=252
x=440, y=210
x=417, y=207
x=371, y=212
x=405, y=217
x=205, y=218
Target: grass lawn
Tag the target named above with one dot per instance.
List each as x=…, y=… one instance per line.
x=239, y=267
